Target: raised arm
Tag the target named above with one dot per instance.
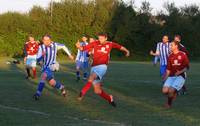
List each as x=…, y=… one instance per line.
x=157, y=53
x=86, y=47
x=62, y=46
x=121, y=48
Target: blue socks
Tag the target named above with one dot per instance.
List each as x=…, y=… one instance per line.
x=85, y=75
x=77, y=73
x=58, y=85
x=40, y=88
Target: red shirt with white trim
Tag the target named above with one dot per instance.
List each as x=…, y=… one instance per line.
x=101, y=52
x=177, y=62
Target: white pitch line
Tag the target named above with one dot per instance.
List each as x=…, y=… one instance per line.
x=69, y=117
x=24, y=110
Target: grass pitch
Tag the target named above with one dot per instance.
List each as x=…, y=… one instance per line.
x=136, y=87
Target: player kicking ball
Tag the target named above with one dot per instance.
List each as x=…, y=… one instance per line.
x=177, y=66
x=47, y=53
x=30, y=51
x=101, y=56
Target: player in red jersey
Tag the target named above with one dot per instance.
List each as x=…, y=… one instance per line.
x=183, y=49
x=177, y=66
x=30, y=50
x=101, y=56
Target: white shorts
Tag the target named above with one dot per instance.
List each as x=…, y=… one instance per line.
x=175, y=82
x=100, y=71
x=31, y=61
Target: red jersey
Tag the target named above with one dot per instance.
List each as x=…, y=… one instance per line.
x=182, y=48
x=101, y=52
x=177, y=62
x=31, y=48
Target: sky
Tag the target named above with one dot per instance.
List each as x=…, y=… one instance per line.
x=24, y=6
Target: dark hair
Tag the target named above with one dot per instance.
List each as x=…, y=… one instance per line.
x=84, y=35
x=103, y=34
x=176, y=42
x=178, y=36
x=46, y=35
x=30, y=35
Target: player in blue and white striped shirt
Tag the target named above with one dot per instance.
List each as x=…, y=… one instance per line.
x=163, y=51
x=82, y=60
x=47, y=54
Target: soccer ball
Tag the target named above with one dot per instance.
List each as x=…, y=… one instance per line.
x=55, y=67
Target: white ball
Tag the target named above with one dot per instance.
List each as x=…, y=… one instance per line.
x=55, y=67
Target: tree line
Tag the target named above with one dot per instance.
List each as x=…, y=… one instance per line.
x=137, y=29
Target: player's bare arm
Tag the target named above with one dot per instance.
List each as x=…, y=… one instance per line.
x=154, y=53
x=166, y=75
x=181, y=71
x=125, y=50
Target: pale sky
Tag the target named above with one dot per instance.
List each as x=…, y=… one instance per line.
x=25, y=5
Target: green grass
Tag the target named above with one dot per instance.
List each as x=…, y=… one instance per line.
x=135, y=85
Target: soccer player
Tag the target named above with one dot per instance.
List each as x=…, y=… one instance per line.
x=82, y=60
x=177, y=66
x=181, y=46
x=183, y=49
x=30, y=51
x=47, y=53
x=163, y=51
x=101, y=56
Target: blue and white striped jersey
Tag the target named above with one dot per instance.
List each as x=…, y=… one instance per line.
x=48, y=53
x=82, y=56
x=163, y=49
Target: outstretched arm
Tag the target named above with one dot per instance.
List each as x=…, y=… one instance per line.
x=62, y=46
x=86, y=47
x=126, y=51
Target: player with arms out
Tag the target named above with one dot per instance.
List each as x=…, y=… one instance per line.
x=30, y=52
x=82, y=60
x=177, y=66
x=162, y=51
x=101, y=56
x=47, y=53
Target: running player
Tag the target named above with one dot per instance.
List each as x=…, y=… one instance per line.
x=101, y=56
x=183, y=49
x=177, y=66
x=82, y=60
x=47, y=53
x=163, y=51
x=30, y=51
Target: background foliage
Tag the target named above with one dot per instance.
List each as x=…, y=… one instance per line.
x=138, y=30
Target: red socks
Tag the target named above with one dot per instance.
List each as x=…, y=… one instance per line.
x=34, y=73
x=102, y=94
x=86, y=88
x=105, y=96
x=170, y=99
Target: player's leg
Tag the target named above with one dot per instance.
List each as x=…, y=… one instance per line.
x=40, y=86
x=78, y=65
x=171, y=96
x=59, y=86
x=34, y=72
x=87, y=86
x=163, y=71
x=99, y=91
x=166, y=90
x=28, y=66
x=33, y=65
x=184, y=88
x=85, y=70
